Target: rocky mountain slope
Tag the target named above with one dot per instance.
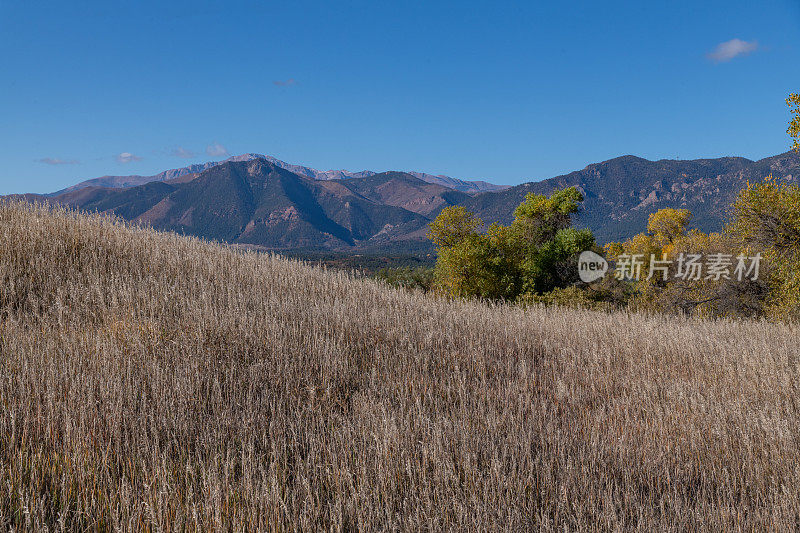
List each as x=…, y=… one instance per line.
x=621, y=193
x=260, y=204
x=257, y=202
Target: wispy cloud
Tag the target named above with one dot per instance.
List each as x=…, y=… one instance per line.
x=285, y=83
x=127, y=157
x=730, y=49
x=56, y=161
x=180, y=151
x=216, y=150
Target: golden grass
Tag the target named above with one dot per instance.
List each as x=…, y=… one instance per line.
x=155, y=381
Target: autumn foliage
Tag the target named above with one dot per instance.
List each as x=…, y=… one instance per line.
x=535, y=254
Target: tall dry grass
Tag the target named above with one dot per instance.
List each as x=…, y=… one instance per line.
x=151, y=381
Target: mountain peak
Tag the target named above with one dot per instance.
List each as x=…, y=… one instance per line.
x=471, y=187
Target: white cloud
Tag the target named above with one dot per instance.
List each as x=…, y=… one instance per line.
x=127, y=157
x=180, y=151
x=216, y=150
x=56, y=161
x=730, y=49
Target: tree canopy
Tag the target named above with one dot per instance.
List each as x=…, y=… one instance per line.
x=535, y=254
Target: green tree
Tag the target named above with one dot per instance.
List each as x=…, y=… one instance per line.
x=467, y=261
x=544, y=243
x=535, y=254
x=452, y=226
x=474, y=267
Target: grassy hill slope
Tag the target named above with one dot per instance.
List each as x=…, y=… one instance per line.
x=155, y=380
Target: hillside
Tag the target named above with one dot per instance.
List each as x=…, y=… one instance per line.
x=400, y=189
x=621, y=193
x=260, y=204
x=155, y=381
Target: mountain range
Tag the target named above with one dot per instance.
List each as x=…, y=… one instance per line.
x=308, y=172
x=261, y=202
x=257, y=203
x=621, y=193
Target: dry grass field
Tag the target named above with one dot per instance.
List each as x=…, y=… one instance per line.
x=152, y=381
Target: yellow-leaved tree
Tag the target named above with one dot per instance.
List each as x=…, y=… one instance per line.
x=766, y=220
x=674, y=272
x=793, y=101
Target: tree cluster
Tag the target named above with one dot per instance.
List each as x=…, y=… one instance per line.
x=536, y=254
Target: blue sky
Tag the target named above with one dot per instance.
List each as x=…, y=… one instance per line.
x=503, y=91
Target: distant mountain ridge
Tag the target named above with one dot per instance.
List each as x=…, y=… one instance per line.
x=257, y=202
x=621, y=193
x=136, y=180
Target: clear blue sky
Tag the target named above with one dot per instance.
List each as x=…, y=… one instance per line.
x=504, y=91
